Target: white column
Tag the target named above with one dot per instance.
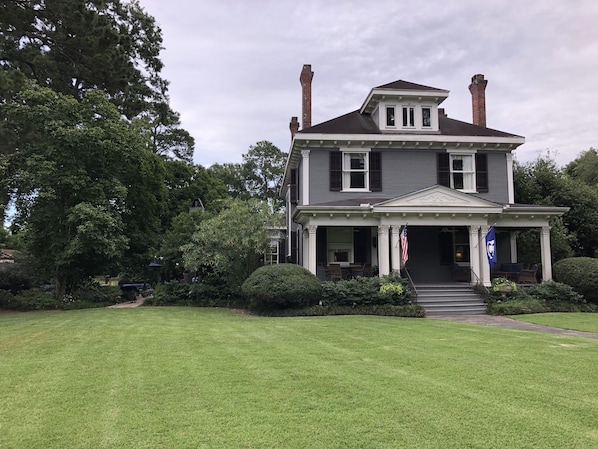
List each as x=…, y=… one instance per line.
x=513, y=236
x=477, y=254
x=510, y=182
x=304, y=248
x=383, y=253
x=305, y=178
x=311, y=251
x=545, y=250
x=395, y=248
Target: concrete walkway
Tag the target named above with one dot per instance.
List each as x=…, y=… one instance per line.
x=502, y=321
x=125, y=305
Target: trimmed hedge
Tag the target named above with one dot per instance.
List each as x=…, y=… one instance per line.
x=581, y=273
x=36, y=299
x=411, y=311
x=283, y=286
x=364, y=291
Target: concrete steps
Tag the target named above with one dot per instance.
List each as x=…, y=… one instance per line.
x=449, y=299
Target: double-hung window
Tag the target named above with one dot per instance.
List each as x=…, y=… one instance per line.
x=462, y=167
x=465, y=171
x=426, y=117
x=355, y=171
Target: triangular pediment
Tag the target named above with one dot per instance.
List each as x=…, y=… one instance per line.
x=437, y=196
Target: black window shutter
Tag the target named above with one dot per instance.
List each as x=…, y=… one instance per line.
x=294, y=247
x=481, y=172
x=336, y=171
x=444, y=170
x=376, y=171
x=293, y=186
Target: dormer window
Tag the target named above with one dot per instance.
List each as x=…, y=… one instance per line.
x=390, y=116
x=426, y=117
x=408, y=117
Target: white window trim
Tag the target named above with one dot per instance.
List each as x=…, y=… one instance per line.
x=386, y=108
x=409, y=106
x=366, y=170
x=470, y=153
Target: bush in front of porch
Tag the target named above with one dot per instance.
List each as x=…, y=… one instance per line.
x=549, y=296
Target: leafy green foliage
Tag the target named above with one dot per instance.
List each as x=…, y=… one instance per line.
x=542, y=182
x=581, y=273
x=259, y=176
x=284, y=286
x=16, y=277
x=366, y=291
x=556, y=292
x=77, y=199
x=408, y=311
x=231, y=243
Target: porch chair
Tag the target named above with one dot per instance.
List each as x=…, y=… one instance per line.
x=336, y=272
x=460, y=274
x=528, y=275
x=364, y=270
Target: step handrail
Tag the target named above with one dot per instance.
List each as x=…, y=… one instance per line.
x=411, y=284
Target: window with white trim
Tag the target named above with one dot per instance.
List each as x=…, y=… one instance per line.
x=408, y=116
x=462, y=172
x=355, y=171
x=426, y=117
x=390, y=116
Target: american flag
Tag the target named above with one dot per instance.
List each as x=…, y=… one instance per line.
x=404, y=245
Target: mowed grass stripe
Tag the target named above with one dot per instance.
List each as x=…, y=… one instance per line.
x=184, y=377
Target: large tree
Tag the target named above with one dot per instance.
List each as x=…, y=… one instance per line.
x=77, y=185
x=258, y=176
x=543, y=182
x=76, y=46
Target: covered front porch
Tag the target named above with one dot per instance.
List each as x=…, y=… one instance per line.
x=446, y=232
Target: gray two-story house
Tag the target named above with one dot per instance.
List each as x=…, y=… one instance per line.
x=353, y=183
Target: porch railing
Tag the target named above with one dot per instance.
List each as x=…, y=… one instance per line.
x=478, y=281
x=411, y=284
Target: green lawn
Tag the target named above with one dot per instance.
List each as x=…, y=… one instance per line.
x=587, y=322
x=203, y=378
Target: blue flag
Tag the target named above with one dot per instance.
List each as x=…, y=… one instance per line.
x=491, y=247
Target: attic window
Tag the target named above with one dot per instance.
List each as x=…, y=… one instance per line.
x=390, y=116
x=408, y=117
x=426, y=117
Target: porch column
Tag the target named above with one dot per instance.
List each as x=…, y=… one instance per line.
x=513, y=235
x=545, y=250
x=484, y=267
x=383, y=253
x=311, y=251
x=305, y=178
x=304, y=248
x=510, y=183
x=395, y=248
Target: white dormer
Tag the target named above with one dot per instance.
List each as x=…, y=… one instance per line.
x=404, y=107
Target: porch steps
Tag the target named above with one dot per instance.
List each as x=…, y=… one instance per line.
x=449, y=299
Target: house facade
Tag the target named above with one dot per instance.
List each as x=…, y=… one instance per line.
x=354, y=183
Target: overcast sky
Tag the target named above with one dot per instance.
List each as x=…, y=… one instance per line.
x=234, y=65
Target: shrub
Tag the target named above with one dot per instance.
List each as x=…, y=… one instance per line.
x=411, y=311
x=364, y=291
x=555, y=292
x=170, y=293
x=281, y=286
x=581, y=273
x=517, y=307
x=15, y=277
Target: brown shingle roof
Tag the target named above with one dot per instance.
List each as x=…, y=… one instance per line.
x=405, y=85
x=356, y=123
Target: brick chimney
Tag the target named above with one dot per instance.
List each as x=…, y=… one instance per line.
x=294, y=126
x=305, y=78
x=478, y=99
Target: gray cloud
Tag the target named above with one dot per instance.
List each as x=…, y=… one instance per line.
x=234, y=66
